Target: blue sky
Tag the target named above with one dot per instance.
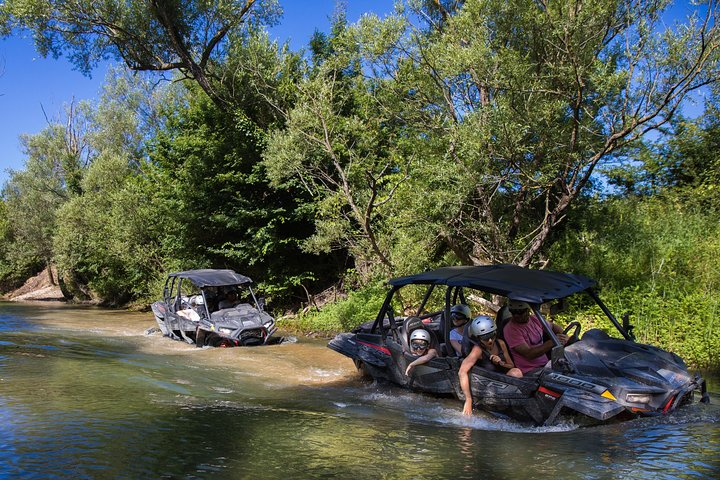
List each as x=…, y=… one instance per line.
x=30, y=84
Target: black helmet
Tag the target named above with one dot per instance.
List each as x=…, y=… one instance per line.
x=460, y=311
x=517, y=306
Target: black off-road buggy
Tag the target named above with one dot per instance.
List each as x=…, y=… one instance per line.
x=595, y=378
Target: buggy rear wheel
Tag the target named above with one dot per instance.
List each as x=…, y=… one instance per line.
x=362, y=369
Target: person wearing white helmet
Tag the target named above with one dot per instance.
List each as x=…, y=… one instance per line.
x=524, y=335
x=488, y=352
x=460, y=316
x=189, y=308
x=420, y=347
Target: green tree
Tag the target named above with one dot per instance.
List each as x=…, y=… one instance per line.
x=683, y=160
x=107, y=243
x=18, y=261
x=530, y=98
x=222, y=211
x=148, y=35
x=56, y=159
x=499, y=113
x=343, y=150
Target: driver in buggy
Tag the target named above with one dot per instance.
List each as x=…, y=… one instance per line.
x=230, y=300
x=524, y=335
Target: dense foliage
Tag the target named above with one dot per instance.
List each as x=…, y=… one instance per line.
x=546, y=134
x=654, y=258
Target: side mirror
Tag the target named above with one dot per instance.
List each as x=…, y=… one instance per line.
x=261, y=303
x=557, y=307
x=626, y=325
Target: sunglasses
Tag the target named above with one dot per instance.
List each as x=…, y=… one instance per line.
x=419, y=345
x=458, y=317
x=487, y=336
x=518, y=312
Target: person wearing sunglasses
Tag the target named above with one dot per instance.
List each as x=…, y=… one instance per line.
x=488, y=352
x=524, y=336
x=460, y=316
x=420, y=347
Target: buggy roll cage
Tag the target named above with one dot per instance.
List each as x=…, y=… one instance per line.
x=207, y=278
x=511, y=281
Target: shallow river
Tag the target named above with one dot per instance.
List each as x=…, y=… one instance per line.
x=84, y=393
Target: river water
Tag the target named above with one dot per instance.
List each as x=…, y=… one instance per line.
x=85, y=393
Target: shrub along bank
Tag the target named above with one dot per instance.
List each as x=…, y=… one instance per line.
x=684, y=325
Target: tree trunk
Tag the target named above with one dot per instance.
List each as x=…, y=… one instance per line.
x=51, y=277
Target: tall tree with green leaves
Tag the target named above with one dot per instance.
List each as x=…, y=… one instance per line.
x=686, y=160
x=526, y=100
x=108, y=241
x=343, y=150
x=148, y=35
x=56, y=160
x=18, y=260
x=500, y=112
x=221, y=211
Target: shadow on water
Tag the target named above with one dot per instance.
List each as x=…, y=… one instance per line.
x=85, y=394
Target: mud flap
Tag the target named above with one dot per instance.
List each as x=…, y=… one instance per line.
x=704, y=396
x=585, y=403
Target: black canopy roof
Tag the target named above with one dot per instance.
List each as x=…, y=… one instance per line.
x=517, y=283
x=212, y=278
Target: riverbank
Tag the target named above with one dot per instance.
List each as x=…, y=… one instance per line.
x=294, y=326
x=39, y=288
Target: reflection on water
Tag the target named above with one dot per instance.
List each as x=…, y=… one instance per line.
x=85, y=394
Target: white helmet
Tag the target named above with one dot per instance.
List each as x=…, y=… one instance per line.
x=420, y=334
x=481, y=326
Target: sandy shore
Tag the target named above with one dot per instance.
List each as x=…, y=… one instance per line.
x=37, y=288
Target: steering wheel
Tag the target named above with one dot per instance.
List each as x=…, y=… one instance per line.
x=576, y=333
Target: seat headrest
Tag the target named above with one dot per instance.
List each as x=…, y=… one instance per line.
x=411, y=323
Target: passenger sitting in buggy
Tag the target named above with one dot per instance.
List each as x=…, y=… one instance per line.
x=460, y=316
x=189, y=307
x=420, y=345
x=487, y=351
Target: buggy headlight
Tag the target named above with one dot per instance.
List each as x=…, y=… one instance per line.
x=225, y=330
x=638, y=398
